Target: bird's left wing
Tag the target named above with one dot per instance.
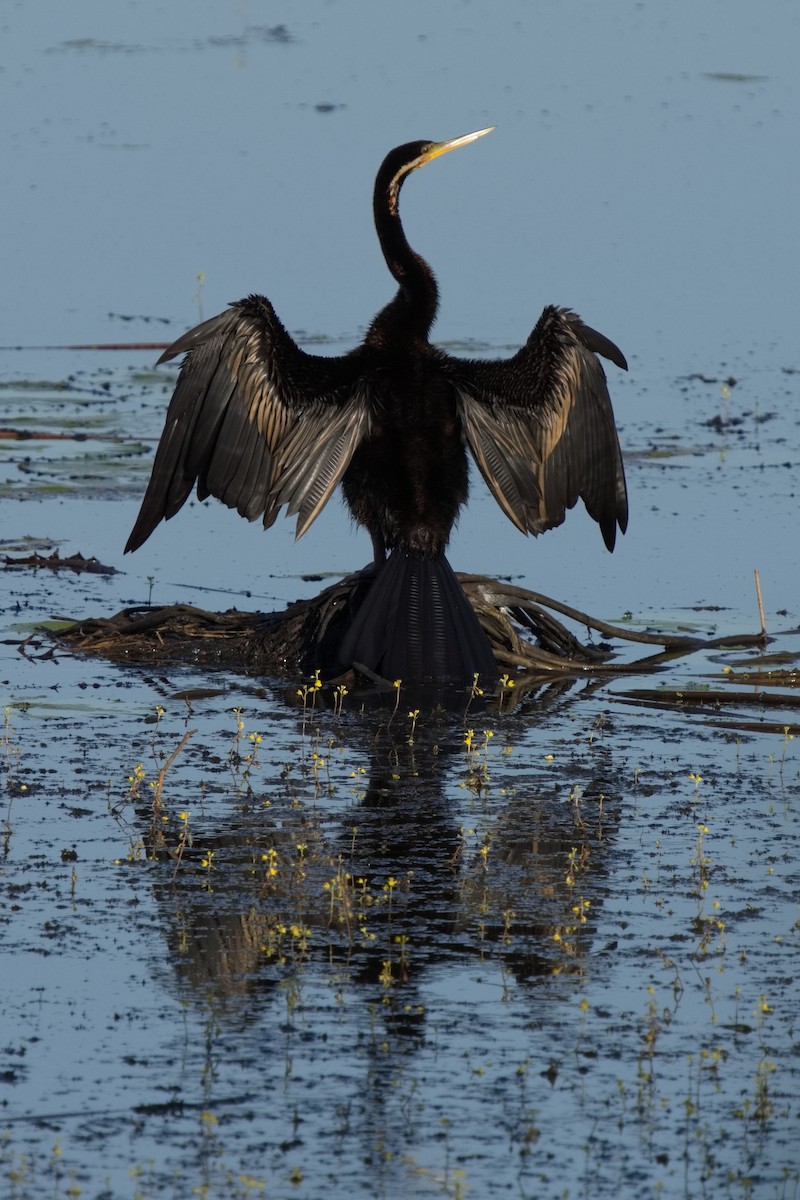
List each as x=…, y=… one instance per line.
x=254, y=421
x=541, y=428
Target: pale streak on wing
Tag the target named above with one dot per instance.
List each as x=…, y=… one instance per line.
x=541, y=428
x=254, y=421
x=507, y=461
x=555, y=418
x=310, y=444
x=311, y=460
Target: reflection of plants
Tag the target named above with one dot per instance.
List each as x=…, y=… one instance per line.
x=652, y=1025
x=11, y=753
x=207, y=863
x=700, y=860
x=318, y=762
x=787, y=737
x=710, y=928
x=287, y=943
x=449, y=1181
x=348, y=899
x=310, y=899
x=578, y=859
x=477, y=755
x=575, y=795
x=158, y=840
x=584, y=1007
x=27, y=1176
x=244, y=755
x=386, y=978
x=184, y=838
x=524, y=1130
x=704, y=1067
x=762, y=1109
x=565, y=934
x=17, y=1169
x=351, y=900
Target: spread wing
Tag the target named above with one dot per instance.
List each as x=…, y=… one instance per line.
x=254, y=421
x=541, y=428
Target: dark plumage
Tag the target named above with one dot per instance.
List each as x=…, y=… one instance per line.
x=260, y=424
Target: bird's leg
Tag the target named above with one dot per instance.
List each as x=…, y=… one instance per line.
x=378, y=550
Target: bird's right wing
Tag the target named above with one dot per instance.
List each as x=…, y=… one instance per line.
x=254, y=421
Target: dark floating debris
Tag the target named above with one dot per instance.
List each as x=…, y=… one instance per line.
x=722, y=424
x=734, y=77
x=279, y=34
x=730, y=382
x=146, y=319
x=54, y=562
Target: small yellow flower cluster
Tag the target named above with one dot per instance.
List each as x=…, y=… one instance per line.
x=270, y=858
x=310, y=689
x=135, y=781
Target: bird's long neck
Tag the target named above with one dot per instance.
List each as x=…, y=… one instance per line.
x=414, y=307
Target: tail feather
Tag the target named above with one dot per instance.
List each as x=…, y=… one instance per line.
x=417, y=625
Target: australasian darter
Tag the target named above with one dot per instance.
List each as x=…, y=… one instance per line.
x=260, y=424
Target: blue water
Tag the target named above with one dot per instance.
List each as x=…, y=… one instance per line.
x=160, y=161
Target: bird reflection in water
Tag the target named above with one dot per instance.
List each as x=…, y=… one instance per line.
x=436, y=850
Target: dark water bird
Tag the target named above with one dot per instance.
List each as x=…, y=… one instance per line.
x=260, y=424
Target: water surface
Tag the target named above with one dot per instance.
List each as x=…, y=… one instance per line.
x=555, y=961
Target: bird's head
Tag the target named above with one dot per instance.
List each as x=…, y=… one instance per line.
x=400, y=162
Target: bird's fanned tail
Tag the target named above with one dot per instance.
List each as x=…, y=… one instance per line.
x=416, y=624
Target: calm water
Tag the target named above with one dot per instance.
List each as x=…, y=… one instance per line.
x=582, y=980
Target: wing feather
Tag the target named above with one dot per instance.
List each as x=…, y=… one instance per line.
x=541, y=428
x=254, y=421
x=313, y=459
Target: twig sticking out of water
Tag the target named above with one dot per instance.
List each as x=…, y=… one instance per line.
x=760, y=605
x=162, y=774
